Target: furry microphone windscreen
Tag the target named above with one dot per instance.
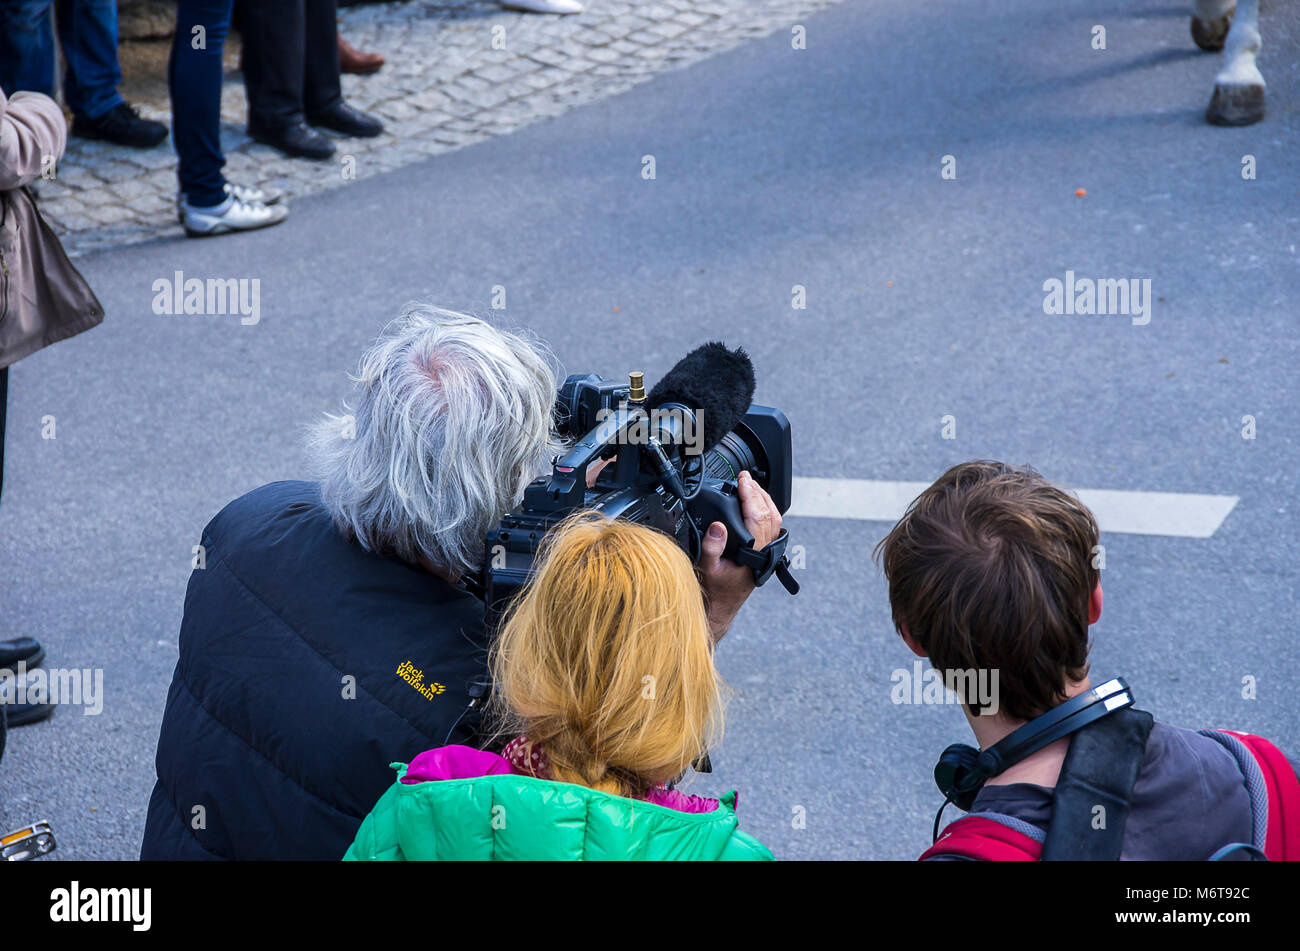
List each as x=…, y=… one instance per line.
x=713, y=379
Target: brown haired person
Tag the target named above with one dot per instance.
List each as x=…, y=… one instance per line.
x=991, y=569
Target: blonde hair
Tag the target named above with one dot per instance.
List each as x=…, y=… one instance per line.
x=606, y=659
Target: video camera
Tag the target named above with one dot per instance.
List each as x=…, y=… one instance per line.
x=676, y=457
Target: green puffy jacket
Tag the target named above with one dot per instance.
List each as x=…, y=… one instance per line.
x=521, y=818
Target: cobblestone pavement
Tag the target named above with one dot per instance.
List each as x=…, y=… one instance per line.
x=448, y=84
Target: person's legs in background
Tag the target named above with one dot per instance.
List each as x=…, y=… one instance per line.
x=26, y=46
x=275, y=63
x=88, y=36
x=272, y=31
x=322, y=89
x=194, y=75
x=208, y=204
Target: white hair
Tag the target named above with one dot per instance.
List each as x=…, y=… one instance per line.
x=453, y=421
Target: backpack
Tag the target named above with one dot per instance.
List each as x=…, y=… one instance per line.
x=1274, y=800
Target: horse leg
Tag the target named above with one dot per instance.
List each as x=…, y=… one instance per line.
x=1210, y=22
x=1239, y=88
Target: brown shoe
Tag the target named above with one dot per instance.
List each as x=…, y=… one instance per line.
x=352, y=60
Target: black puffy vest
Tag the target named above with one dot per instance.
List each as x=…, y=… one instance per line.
x=307, y=665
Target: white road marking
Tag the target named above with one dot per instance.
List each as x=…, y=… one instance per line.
x=1177, y=514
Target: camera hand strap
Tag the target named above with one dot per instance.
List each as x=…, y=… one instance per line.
x=768, y=561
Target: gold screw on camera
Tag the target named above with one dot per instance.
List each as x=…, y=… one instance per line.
x=637, y=392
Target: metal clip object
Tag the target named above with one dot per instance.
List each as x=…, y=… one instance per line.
x=29, y=843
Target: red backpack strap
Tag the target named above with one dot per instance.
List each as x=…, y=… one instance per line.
x=986, y=840
x=1282, y=843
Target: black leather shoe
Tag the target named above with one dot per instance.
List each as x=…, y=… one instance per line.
x=296, y=139
x=345, y=120
x=27, y=649
x=121, y=125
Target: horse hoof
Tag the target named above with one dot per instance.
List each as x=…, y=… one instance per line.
x=1211, y=34
x=1235, y=104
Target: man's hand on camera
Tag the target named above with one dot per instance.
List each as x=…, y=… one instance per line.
x=726, y=584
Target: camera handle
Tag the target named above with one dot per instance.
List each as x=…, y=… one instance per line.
x=723, y=505
x=567, y=486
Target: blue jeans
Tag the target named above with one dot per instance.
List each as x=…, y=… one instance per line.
x=194, y=77
x=88, y=35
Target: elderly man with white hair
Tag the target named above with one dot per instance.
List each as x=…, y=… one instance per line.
x=325, y=632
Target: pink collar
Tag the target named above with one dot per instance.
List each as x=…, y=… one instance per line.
x=523, y=759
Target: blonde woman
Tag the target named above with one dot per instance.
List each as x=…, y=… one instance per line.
x=605, y=679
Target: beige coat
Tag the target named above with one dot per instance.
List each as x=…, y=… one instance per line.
x=43, y=299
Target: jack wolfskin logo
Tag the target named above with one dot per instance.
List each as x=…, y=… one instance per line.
x=415, y=677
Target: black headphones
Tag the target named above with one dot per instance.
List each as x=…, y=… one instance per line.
x=962, y=770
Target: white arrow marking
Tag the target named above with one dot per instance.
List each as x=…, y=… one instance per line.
x=1179, y=514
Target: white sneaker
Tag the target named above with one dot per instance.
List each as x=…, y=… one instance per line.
x=543, y=6
x=231, y=215
x=266, y=195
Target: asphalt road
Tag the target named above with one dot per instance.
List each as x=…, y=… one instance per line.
x=774, y=167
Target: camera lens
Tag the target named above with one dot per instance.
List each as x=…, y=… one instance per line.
x=729, y=458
